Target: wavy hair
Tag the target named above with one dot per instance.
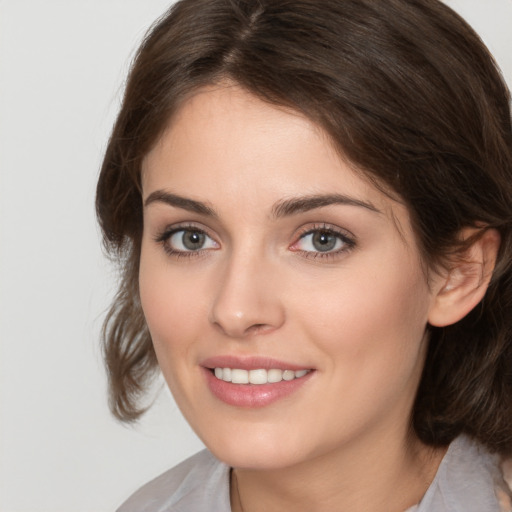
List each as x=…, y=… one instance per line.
x=408, y=93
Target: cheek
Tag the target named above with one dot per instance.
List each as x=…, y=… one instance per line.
x=373, y=322
x=371, y=331
x=172, y=308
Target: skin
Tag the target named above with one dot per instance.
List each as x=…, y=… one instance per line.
x=258, y=286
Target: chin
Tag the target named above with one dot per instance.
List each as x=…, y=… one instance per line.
x=257, y=448
x=255, y=458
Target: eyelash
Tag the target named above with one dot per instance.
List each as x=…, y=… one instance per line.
x=348, y=241
x=164, y=237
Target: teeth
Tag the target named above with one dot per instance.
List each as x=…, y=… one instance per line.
x=239, y=376
x=274, y=376
x=260, y=376
x=288, y=375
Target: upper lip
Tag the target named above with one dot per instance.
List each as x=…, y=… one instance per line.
x=250, y=363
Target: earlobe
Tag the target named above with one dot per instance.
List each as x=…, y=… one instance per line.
x=465, y=284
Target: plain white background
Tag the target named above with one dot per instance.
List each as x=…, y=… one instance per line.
x=62, y=67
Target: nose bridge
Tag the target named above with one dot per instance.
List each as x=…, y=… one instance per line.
x=247, y=298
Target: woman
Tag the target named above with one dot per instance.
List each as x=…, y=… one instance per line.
x=312, y=204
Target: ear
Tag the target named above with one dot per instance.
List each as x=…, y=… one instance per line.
x=466, y=282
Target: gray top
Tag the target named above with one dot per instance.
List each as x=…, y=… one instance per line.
x=468, y=480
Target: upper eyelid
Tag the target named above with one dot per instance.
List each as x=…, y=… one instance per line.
x=170, y=229
x=322, y=226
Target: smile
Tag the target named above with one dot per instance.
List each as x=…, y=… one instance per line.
x=259, y=376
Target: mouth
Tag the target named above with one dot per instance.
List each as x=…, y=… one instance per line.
x=258, y=377
x=254, y=382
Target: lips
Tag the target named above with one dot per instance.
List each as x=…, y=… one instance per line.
x=250, y=363
x=253, y=382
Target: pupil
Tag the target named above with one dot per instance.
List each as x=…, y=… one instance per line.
x=193, y=240
x=324, y=241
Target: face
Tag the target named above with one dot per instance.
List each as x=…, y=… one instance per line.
x=284, y=293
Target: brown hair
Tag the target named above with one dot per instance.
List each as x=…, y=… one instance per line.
x=409, y=93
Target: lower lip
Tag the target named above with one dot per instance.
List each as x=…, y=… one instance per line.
x=253, y=395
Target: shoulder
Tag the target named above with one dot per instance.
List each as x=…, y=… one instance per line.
x=469, y=479
x=199, y=483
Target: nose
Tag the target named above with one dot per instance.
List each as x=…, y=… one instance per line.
x=247, y=299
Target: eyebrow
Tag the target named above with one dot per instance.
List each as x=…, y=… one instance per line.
x=280, y=209
x=302, y=204
x=160, y=196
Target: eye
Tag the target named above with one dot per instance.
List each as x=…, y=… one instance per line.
x=186, y=240
x=320, y=241
x=323, y=241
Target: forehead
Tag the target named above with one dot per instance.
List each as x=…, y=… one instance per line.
x=225, y=144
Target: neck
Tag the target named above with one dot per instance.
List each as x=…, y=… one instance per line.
x=385, y=475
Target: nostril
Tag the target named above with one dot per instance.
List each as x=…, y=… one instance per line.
x=259, y=328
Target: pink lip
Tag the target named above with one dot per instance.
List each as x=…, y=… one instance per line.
x=250, y=363
x=251, y=395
